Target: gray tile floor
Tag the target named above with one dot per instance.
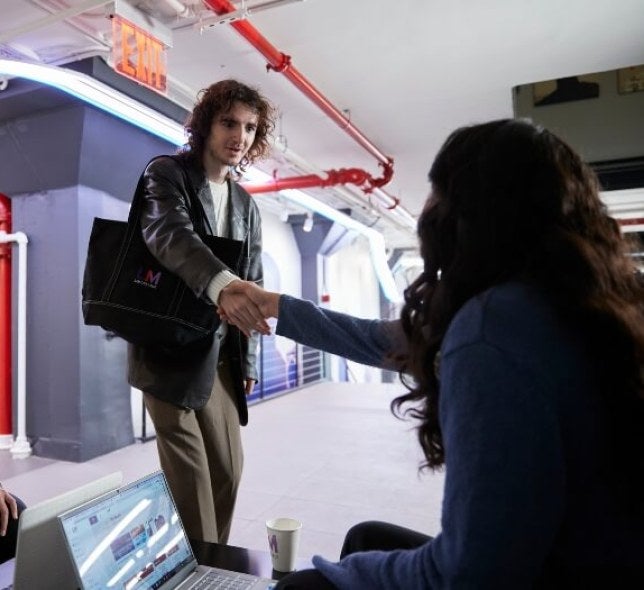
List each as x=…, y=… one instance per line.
x=331, y=455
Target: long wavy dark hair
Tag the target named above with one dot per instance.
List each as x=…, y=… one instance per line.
x=513, y=201
x=219, y=98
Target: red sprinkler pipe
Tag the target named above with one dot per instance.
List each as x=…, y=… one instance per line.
x=334, y=177
x=631, y=221
x=281, y=63
x=5, y=320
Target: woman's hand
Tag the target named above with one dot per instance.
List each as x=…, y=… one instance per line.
x=264, y=304
x=237, y=308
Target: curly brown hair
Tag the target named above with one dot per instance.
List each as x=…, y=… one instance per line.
x=510, y=200
x=220, y=98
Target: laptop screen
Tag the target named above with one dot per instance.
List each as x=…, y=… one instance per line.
x=41, y=545
x=129, y=539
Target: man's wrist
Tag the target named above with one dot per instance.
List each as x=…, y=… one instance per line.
x=218, y=283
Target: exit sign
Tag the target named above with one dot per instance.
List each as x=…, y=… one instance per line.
x=138, y=55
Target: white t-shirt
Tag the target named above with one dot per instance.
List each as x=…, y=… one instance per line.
x=221, y=203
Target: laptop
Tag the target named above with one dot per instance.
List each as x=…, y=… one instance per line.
x=42, y=561
x=133, y=539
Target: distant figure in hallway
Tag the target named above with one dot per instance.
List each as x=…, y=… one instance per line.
x=197, y=398
x=569, y=89
x=524, y=336
x=11, y=508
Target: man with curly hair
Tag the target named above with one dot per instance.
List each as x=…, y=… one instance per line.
x=197, y=398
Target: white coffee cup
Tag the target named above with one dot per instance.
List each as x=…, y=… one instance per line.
x=283, y=541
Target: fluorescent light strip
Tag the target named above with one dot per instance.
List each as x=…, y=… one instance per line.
x=99, y=95
x=106, y=98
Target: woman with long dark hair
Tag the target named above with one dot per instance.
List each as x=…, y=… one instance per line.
x=524, y=338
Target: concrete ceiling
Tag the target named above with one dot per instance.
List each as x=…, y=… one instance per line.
x=406, y=73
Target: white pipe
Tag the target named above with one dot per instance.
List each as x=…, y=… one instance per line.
x=52, y=19
x=21, y=447
x=179, y=7
x=87, y=30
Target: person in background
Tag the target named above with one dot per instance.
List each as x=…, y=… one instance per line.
x=11, y=508
x=525, y=340
x=197, y=398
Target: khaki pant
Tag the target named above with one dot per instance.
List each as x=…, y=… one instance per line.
x=201, y=455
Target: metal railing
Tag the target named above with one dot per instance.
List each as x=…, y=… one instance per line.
x=284, y=366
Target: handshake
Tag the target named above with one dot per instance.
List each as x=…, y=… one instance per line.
x=247, y=306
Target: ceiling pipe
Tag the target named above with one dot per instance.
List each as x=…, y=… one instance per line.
x=281, y=63
x=73, y=21
x=52, y=19
x=180, y=9
x=383, y=204
x=20, y=447
x=626, y=221
x=334, y=177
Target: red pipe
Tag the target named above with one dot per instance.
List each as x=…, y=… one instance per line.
x=334, y=177
x=5, y=319
x=281, y=63
x=343, y=176
x=631, y=221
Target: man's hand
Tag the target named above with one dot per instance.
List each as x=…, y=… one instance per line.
x=238, y=309
x=8, y=509
x=249, y=385
x=266, y=302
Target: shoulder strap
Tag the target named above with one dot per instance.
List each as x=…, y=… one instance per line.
x=195, y=208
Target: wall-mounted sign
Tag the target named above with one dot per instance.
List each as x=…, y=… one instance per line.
x=138, y=55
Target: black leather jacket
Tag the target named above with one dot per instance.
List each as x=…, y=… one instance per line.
x=186, y=380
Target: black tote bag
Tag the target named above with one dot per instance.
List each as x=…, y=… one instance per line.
x=128, y=292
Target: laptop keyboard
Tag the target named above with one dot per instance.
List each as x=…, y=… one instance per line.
x=224, y=581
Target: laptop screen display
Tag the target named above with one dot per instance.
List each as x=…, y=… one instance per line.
x=130, y=539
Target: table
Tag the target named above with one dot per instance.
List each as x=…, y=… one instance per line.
x=238, y=559
x=229, y=557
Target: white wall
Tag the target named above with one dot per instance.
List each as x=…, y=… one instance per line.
x=282, y=261
x=348, y=276
x=352, y=284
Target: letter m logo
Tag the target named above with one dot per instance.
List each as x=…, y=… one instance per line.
x=152, y=278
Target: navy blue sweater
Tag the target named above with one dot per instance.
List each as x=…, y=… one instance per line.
x=527, y=502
